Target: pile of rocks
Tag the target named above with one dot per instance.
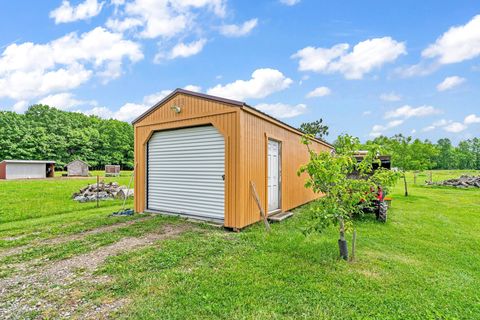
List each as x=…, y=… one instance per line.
x=106, y=191
x=462, y=182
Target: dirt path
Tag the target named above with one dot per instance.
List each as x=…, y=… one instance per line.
x=52, y=286
x=75, y=236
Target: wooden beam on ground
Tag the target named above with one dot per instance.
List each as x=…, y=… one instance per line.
x=257, y=200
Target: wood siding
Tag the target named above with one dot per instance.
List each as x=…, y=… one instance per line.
x=256, y=129
x=77, y=168
x=246, y=133
x=195, y=111
x=3, y=170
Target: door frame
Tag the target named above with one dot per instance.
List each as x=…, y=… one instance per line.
x=280, y=184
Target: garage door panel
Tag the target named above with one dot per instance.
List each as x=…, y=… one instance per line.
x=215, y=194
x=185, y=172
x=213, y=165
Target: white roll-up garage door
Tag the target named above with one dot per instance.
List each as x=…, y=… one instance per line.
x=186, y=170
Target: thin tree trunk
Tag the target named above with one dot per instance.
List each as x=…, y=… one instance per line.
x=405, y=183
x=342, y=243
x=342, y=229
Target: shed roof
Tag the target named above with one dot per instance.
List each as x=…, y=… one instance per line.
x=236, y=103
x=29, y=161
x=78, y=160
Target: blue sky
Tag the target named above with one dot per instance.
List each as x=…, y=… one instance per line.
x=366, y=67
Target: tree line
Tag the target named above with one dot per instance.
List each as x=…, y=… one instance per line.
x=415, y=154
x=46, y=133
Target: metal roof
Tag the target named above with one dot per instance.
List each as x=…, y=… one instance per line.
x=29, y=161
x=236, y=103
x=77, y=160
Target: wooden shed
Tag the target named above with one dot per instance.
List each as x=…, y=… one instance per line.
x=196, y=155
x=77, y=168
x=26, y=169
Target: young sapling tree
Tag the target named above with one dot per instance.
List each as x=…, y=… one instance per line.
x=330, y=173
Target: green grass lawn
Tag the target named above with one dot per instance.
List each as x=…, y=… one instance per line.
x=32, y=209
x=422, y=264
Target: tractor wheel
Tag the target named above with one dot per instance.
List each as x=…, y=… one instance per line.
x=382, y=211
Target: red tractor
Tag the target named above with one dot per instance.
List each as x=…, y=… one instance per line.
x=379, y=205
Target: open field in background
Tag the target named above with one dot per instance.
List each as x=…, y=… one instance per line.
x=94, y=173
x=31, y=209
x=422, y=264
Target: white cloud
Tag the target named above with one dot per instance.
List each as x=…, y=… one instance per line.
x=281, y=110
x=130, y=111
x=471, y=119
x=67, y=13
x=436, y=124
x=392, y=96
x=450, y=82
x=459, y=43
x=163, y=18
x=30, y=70
x=378, y=129
x=289, y=2
x=20, y=85
x=233, y=30
x=20, y=106
x=263, y=83
x=429, y=128
x=319, y=92
x=364, y=57
x=455, y=127
x=419, y=69
x=441, y=123
x=63, y=101
x=101, y=112
x=153, y=98
x=182, y=50
x=407, y=112
x=117, y=2
x=123, y=25
x=127, y=112
x=366, y=113
x=193, y=88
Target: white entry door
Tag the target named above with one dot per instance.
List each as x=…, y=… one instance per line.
x=186, y=169
x=273, y=175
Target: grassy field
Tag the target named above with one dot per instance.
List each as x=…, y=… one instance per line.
x=64, y=259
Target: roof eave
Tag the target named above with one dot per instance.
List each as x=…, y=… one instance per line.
x=191, y=93
x=291, y=127
x=221, y=100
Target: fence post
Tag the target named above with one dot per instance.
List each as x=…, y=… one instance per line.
x=98, y=182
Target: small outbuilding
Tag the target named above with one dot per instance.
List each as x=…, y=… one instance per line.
x=112, y=170
x=26, y=169
x=196, y=155
x=77, y=168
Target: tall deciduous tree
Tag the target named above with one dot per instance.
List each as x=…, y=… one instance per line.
x=48, y=133
x=315, y=128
